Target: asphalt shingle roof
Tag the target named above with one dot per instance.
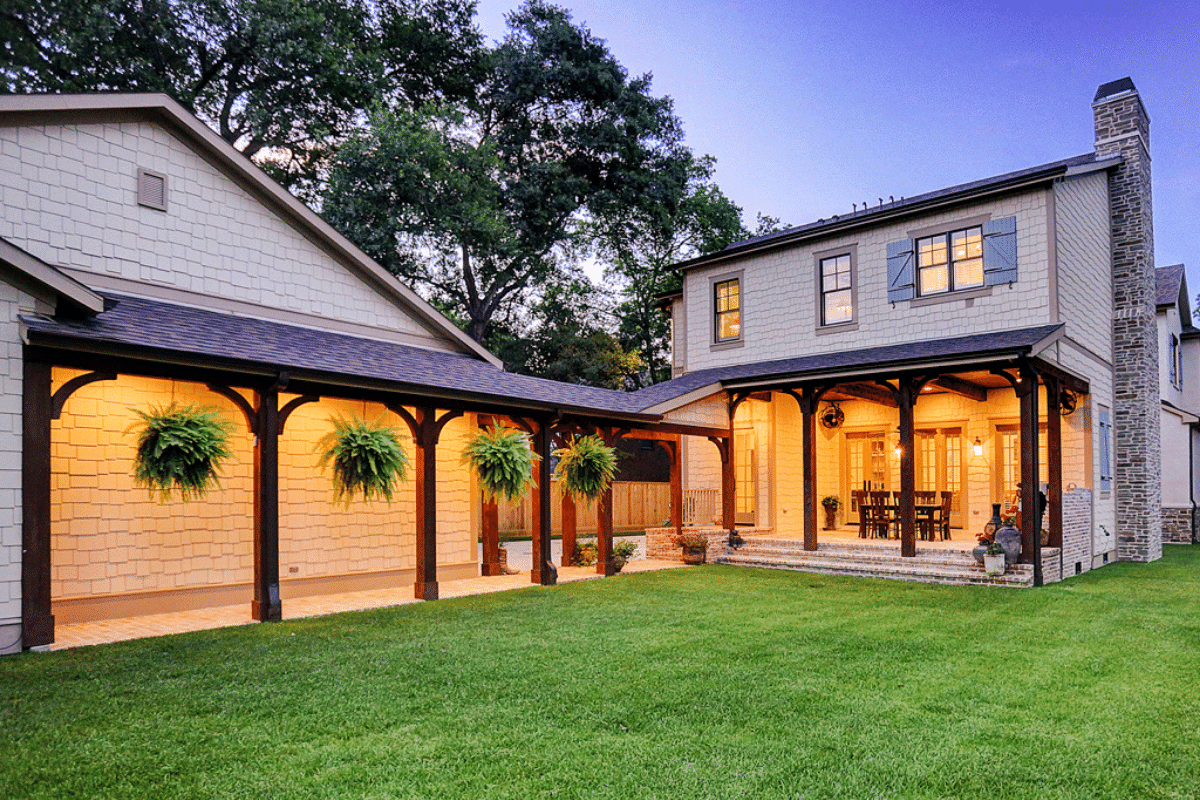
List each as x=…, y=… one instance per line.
x=160, y=327
x=140, y=323
x=1167, y=281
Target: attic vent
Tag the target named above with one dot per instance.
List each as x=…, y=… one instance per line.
x=152, y=189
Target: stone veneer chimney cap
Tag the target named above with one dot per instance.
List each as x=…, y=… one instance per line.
x=1114, y=88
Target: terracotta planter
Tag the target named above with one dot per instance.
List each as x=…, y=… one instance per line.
x=830, y=519
x=994, y=565
x=695, y=555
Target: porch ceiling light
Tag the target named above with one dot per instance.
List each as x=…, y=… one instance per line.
x=977, y=448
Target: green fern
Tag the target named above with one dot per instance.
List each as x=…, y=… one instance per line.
x=502, y=460
x=586, y=467
x=180, y=449
x=367, y=459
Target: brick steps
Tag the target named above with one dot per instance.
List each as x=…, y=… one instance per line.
x=930, y=565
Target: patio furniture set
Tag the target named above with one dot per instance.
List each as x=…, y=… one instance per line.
x=878, y=514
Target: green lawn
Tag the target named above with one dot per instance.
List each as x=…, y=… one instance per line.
x=713, y=682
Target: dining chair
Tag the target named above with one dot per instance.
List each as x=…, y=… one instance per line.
x=880, y=518
x=944, y=516
x=859, y=499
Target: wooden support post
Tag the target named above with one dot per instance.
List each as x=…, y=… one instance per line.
x=491, y=539
x=673, y=449
x=1054, y=456
x=604, y=520
x=543, y=571
x=908, y=471
x=808, y=408
x=728, y=485
x=37, y=621
x=569, y=528
x=265, y=606
x=1031, y=534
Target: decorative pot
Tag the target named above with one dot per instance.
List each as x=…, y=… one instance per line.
x=830, y=518
x=694, y=555
x=994, y=524
x=1009, y=538
x=994, y=565
x=979, y=553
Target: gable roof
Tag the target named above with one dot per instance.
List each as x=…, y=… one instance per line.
x=1168, y=283
x=932, y=353
x=42, y=109
x=839, y=223
x=74, y=295
x=153, y=330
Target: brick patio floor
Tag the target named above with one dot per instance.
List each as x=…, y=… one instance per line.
x=116, y=630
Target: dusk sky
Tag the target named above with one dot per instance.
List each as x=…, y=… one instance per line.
x=812, y=106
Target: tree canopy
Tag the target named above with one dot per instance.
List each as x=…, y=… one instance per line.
x=281, y=80
x=477, y=202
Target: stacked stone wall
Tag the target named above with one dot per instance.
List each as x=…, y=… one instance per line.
x=1123, y=128
x=660, y=547
x=1178, y=525
x=1077, y=531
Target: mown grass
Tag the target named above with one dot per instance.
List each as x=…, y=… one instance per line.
x=713, y=682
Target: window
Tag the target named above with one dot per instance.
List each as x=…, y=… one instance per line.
x=1176, y=363
x=950, y=261
x=1106, y=475
x=728, y=308
x=837, y=284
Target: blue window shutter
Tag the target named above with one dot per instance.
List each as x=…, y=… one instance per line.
x=901, y=282
x=1105, y=452
x=999, y=251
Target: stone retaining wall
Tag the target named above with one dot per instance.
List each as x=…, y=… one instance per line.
x=660, y=546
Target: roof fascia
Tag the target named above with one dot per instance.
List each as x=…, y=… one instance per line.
x=887, y=215
x=78, y=296
x=39, y=109
x=686, y=399
x=1184, y=416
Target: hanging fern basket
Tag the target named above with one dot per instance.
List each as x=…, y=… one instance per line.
x=367, y=458
x=586, y=468
x=503, y=461
x=180, y=449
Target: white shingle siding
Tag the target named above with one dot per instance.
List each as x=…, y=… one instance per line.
x=779, y=293
x=70, y=198
x=1084, y=261
x=12, y=302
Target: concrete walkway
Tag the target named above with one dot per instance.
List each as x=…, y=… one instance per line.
x=116, y=630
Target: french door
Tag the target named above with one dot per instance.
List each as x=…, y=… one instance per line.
x=865, y=465
x=940, y=467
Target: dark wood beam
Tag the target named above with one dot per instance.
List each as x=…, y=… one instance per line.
x=543, y=571
x=491, y=539
x=1054, y=457
x=570, y=528
x=604, y=518
x=1031, y=534
x=956, y=385
x=907, y=393
x=37, y=619
x=265, y=606
x=70, y=387
x=673, y=449
x=868, y=392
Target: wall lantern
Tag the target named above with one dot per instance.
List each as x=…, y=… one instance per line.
x=977, y=448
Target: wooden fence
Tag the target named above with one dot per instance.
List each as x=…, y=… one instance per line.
x=636, y=506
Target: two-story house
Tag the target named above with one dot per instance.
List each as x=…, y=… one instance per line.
x=989, y=340
x=1178, y=372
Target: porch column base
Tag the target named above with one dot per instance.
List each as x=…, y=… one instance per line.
x=38, y=630
x=426, y=591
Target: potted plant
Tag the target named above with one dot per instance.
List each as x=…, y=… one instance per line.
x=621, y=553
x=695, y=547
x=993, y=560
x=831, y=504
x=986, y=540
x=503, y=461
x=367, y=458
x=180, y=449
x=586, y=468
x=584, y=554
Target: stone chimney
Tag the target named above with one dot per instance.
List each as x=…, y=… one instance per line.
x=1123, y=128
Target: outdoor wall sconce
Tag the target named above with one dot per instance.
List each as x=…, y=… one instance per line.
x=977, y=448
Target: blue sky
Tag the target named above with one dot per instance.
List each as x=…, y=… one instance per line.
x=812, y=106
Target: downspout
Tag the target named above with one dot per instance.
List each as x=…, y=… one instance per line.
x=1192, y=476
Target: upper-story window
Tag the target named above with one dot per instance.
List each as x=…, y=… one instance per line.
x=950, y=261
x=837, y=289
x=727, y=302
x=1176, y=362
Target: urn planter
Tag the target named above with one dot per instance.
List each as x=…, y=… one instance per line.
x=695, y=555
x=994, y=565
